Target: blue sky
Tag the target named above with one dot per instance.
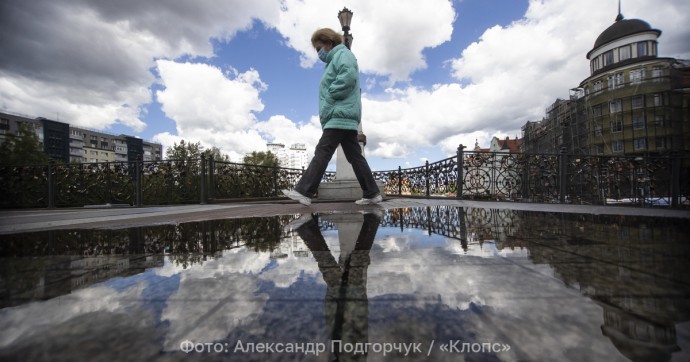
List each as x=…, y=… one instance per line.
x=236, y=74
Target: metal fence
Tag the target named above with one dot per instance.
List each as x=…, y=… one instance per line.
x=561, y=178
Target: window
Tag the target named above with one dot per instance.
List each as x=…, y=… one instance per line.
x=595, y=64
x=636, y=76
x=657, y=73
x=615, y=81
x=597, y=129
x=637, y=102
x=659, y=121
x=638, y=121
x=600, y=149
x=617, y=146
x=624, y=53
x=660, y=142
x=598, y=85
x=658, y=100
x=608, y=58
x=596, y=111
x=94, y=138
x=642, y=49
x=653, y=48
x=617, y=125
x=615, y=106
x=640, y=143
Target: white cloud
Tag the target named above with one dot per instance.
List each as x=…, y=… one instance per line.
x=389, y=36
x=209, y=107
x=88, y=62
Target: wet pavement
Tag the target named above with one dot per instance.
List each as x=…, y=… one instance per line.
x=429, y=280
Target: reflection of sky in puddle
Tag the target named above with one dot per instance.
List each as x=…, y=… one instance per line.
x=548, y=302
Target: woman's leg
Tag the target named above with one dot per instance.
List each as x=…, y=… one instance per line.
x=353, y=153
x=309, y=183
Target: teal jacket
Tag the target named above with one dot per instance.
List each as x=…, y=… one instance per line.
x=340, y=103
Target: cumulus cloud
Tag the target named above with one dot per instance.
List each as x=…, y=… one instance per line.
x=210, y=106
x=394, y=34
x=88, y=61
x=219, y=109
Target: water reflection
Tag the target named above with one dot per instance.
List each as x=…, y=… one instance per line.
x=552, y=286
x=347, y=304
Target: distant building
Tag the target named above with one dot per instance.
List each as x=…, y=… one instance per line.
x=293, y=157
x=633, y=102
x=506, y=145
x=62, y=142
x=485, y=161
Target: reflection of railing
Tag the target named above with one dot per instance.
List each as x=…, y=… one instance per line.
x=563, y=178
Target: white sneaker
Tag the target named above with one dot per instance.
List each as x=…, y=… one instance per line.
x=374, y=200
x=297, y=197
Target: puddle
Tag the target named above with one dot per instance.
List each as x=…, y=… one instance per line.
x=438, y=283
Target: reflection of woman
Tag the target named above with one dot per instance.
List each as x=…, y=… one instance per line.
x=340, y=111
x=347, y=304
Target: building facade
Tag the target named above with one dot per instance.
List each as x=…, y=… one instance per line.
x=633, y=103
x=294, y=156
x=62, y=142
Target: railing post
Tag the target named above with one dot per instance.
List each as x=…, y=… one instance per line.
x=525, y=178
x=51, y=184
x=211, y=180
x=461, y=172
x=675, y=179
x=202, y=201
x=275, y=179
x=400, y=179
x=426, y=174
x=137, y=180
x=562, y=174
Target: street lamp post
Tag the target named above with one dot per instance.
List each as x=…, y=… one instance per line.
x=345, y=17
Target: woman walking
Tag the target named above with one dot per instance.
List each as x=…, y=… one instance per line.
x=340, y=111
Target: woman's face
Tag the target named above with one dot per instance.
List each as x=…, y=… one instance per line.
x=319, y=44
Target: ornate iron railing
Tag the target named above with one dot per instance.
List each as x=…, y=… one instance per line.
x=562, y=178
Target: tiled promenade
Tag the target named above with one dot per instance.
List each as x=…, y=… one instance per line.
x=118, y=217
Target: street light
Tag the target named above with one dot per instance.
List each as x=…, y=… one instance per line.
x=345, y=17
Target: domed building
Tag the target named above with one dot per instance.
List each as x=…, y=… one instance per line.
x=633, y=102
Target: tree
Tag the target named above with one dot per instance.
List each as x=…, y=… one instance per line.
x=23, y=149
x=217, y=156
x=184, y=151
x=262, y=159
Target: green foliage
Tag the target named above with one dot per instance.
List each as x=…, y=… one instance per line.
x=187, y=151
x=23, y=149
x=261, y=159
x=184, y=151
x=217, y=156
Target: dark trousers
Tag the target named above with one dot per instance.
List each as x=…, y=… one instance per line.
x=330, y=139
